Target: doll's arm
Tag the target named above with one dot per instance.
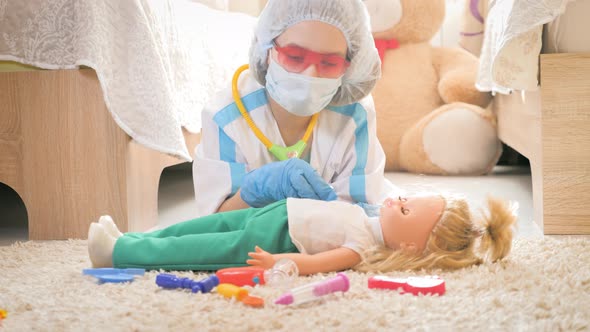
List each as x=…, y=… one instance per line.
x=328, y=261
x=457, y=72
x=233, y=203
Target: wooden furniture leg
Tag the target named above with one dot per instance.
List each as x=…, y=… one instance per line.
x=62, y=152
x=565, y=95
x=519, y=125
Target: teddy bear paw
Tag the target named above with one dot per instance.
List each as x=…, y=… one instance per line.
x=462, y=141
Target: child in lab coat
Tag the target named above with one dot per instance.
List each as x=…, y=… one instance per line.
x=300, y=122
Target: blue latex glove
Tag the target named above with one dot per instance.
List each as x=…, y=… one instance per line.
x=279, y=180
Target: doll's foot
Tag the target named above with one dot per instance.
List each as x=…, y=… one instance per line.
x=110, y=226
x=100, y=246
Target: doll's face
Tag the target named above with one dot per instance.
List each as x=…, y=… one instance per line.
x=407, y=222
x=314, y=36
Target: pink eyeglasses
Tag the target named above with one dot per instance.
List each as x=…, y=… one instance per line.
x=296, y=59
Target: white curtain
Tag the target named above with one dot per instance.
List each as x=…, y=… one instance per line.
x=158, y=61
x=216, y=4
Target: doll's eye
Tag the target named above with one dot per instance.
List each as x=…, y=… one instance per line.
x=405, y=211
x=402, y=199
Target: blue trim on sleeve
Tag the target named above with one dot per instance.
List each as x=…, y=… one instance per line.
x=227, y=153
x=361, y=145
x=237, y=170
x=227, y=146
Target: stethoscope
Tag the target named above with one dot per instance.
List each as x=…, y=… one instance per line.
x=280, y=152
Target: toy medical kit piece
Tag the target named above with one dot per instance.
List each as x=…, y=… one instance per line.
x=253, y=301
x=240, y=294
x=282, y=273
x=170, y=281
x=383, y=282
x=3, y=315
x=110, y=270
x=113, y=275
x=241, y=276
x=429, y=285
x=315, y=290
x=230, y=290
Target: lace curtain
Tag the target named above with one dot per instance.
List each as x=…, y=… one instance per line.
x=158, y=61
x=512, y=43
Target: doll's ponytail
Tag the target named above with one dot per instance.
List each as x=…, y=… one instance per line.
x=496, y=232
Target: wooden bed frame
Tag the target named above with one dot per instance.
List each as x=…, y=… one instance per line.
x=551, y=128
x=63, y=153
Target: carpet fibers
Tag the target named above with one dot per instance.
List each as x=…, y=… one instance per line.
x=543, y=285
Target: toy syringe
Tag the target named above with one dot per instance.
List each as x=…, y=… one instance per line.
x=315, y=290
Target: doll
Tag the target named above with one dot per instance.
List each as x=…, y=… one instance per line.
x=415, y=232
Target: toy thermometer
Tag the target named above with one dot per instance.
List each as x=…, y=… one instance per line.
x=313, y=291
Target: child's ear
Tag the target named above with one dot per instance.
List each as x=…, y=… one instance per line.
x=408, y=246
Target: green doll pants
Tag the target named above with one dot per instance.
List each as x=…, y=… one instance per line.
x=208, y=243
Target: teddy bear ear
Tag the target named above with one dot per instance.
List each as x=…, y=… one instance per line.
x=384, y=14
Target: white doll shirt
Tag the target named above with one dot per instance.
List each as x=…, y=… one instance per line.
x=318, y=226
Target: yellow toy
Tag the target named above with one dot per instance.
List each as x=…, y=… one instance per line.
x=240, y=294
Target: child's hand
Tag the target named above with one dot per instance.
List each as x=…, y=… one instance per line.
x=261, y=258
x=282, y=179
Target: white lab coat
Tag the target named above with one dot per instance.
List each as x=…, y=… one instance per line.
x=344, y=149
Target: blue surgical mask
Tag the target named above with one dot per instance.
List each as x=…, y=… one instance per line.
x=299, y=94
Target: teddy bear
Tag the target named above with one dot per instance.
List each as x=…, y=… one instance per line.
x=431, y=119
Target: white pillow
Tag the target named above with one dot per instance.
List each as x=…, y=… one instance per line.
x=215, y=4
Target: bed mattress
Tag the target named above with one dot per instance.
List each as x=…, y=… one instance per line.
x=10, y=66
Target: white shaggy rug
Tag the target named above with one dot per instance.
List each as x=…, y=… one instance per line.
x=544, y=285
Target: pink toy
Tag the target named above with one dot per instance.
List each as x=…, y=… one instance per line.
x=313, y=291
x=430, y=285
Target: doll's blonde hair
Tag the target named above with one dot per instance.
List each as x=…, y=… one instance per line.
x=456, y=241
